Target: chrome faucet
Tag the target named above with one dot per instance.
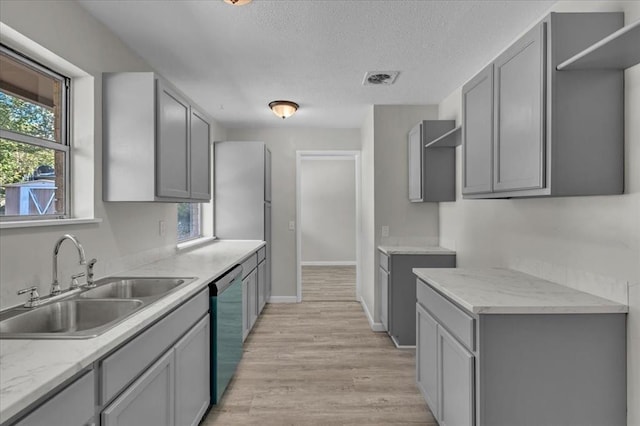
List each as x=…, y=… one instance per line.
x=55, y=286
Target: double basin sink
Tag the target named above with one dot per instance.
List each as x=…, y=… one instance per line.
x=90, y=312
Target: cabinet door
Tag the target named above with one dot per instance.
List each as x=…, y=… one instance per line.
x=148, y=401
x=200, y=157
x=71, y=406
x=384, y=298
x=173, y=173
x=192, y=374
x=415, y=151
x=262, y=285
x=267, y=238
x=245, y=307
x=455, y=382
x=477, y=133
x=253, y=298
x=519, y=138
x=427, y=357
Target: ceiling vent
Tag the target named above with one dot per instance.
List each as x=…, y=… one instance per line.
x=380, y=78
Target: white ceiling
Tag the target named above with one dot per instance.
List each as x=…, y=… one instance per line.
x=232, y=61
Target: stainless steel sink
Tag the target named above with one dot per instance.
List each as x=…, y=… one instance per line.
x=90, y=312
x=68, y=319
x=134, y=288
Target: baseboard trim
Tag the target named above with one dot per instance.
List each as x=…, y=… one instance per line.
x=398, y=346
x=375, y=326
x=328, y=263
x=283, y=299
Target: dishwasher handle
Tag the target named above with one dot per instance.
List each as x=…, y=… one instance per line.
x=222, y=283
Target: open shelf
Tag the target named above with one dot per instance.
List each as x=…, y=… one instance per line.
x=619, y=50
x=451, y=139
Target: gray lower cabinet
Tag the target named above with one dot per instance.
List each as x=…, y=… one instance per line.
x=255, y=285
x=384, y=297
x=72, y=406
x=519, y=369
x=397, y=286
x=262, y=285
x=427, y=358
x=536, y=131
x=192, y=383
x=150, y=400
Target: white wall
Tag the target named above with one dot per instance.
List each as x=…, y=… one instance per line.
x=591, y=243
x=128, y=235
x=328, y=205
x=283, y=143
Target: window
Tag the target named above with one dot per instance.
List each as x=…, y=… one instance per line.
x=189, y=221
x=34, y=143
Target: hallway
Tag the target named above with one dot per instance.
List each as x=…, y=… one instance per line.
x=318, y=362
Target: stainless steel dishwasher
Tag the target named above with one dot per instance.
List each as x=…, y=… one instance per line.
x=226, y=330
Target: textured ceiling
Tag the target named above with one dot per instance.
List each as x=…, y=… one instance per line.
x=232, y=61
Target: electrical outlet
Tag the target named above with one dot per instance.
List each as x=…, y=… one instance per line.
x=385, y=231
x=162, y=228
x=292, y=225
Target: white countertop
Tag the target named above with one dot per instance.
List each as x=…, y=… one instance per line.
x=29, y=369
x=504, y=291
x=389, y=250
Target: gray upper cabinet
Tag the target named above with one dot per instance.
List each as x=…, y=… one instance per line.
x=173, y=169
x=431, y=170
x=200, y=157
x=477, y=133
x=552, y=133
x=519, y=111
x=155, y=141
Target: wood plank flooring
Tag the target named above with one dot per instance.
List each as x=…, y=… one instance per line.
x=328, y=283
x=319, y=363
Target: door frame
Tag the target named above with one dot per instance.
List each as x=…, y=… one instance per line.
x=326, y=155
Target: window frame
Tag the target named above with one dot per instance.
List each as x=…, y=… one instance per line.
x=64, y=145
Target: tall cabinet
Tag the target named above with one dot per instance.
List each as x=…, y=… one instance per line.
x=243, y=198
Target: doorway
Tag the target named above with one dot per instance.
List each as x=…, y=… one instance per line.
x=328, y=218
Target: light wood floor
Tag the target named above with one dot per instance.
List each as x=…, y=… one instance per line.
x=328, y=283
x=319, y=363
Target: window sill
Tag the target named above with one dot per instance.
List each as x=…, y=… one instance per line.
x=48, y=222
x=194, y=243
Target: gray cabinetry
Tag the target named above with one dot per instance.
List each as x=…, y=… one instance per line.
x=552, y=133
x=72, y=406
x=251, y=292
x=398, y=290
x=456, y=381
x=173, y=155
x=192, y=383
x=148, y=401
x=477, y=133
x=427, y=358
x=155, y=142
x=262, y=283
x=518, y=368
x=431, y=170
x=519, y=114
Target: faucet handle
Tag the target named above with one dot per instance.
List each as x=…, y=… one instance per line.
x=34, y=297
x=74, y=280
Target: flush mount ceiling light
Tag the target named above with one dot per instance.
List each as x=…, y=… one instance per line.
x=283, y=109
x=237, y=2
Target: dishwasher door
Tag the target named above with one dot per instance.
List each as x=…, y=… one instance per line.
x=226, y=330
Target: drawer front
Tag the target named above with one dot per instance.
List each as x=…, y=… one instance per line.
x=262, y=253
x=384, y=261
x=249, y=265
x=456, y=321
x=124, y=365
x=73, y=405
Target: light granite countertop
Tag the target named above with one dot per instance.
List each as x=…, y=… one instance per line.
x=30, y=369
x=505, y=291
x=389, y=250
